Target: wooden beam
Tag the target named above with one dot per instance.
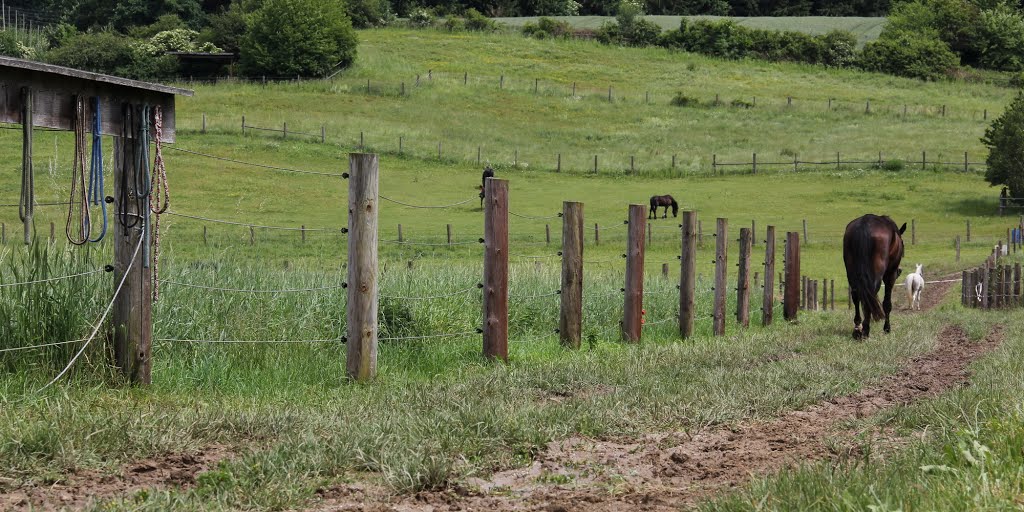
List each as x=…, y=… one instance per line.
x=361, y=311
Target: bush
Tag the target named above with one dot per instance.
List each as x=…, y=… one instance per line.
x=741, y=104
x=1002, y=39
x=838, y=49
x=113, y=54
x=9, y=45
x=548, y=28
x=916, y=57
x=298, y=37
x=369, y=13
x=1005, y=142
x=682, y=100
x=641, y=33
x=421, y=18
x=454, y=24
x=893, y=165
x=478, y=22
x=225, y=30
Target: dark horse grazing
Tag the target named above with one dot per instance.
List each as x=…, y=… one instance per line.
x=488, y=173
x=872, y=250
x=664, y=201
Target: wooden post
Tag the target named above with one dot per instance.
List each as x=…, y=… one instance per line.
x=479, y=149
x=574, y=89
x=323, y=134
x=632, y=315
x=243, y=126
x=570, y=320
x=361, y=310
x=632, y=164
x=496, y=269
x=806, y=241
x=867, y=107
x=791, y=300
x=830, y=103
x=597, y=234
x=133, y=306
x=501, y=82
x=832, y=294
x=448, y=229
x=3, y=233
x=838, y=163
x=536, y=85
x=664, y=270
x=302, y=230
x=964, y=286
x=754, y=168
x=687, y=273
x=252, y=235
x=650, y=235
x=768, y=299
x=984, y=286
x=204, y=122
x=547, y=233
x=943, y=111
x=400, y=141
x=913, y=232
x=609, y=94
x=721, y=272
x=753, y=232
x=362, y=139
x=558, y=166
x=803, y=292
x=403, y=89
x=924, y=160
x=966, y=169
x=204, y=235
x=400, y=239
x=27, y=100
x=714, y=164
x=743, y=281
x=673, y=162
x=595, y=164
x=52, y=233
x=284, y=130
x=968, y=230
x=957, y=244
x=465, y=77
x=1016, y=285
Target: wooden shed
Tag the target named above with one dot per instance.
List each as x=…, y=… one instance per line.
x=38, y=95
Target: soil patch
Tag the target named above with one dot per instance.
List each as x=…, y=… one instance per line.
x=662, y=472
x=84, y=488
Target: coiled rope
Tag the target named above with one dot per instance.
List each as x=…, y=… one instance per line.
x=79, y=193
x=158, y=186
x=96, y=187
x=26, y=202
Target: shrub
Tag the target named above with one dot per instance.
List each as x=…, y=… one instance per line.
x=454, y=24
x=297, y=37
x=921, y=57
x=9, y=45
x=421, y=18
x=838, y=49
x=548, y=28
x=1005, y=141
x=1002, y=39
x=641, y=33
x=741, y=104
x=478, y=22
x=225, y=30
x=113, y=54
x=369, y=13
x=893, y=165
x=682, y=100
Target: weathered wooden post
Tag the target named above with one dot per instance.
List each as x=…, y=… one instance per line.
x=803, y=292
x=558, y=164
x=664, y=270
x=913, y=232
x=570, y=321
x=743, y=280
x=964, y=286
x=204, y=235
x=832, y=294
x=496, y=269
x=634, y=295
x=791, y=300
x=721, y=273
x=597, y=234
x=284, y=130
x=806, y=241
x=252, y=235
x=957, y=245
x=1016, y=284
x=400, y=238
x=204, y=122
x=302, y=232
x=768, y=302
x=687, y=271
x=968, y=230
x=650, y=235
x=448, y=229
x=133, y=305
x=361, y=310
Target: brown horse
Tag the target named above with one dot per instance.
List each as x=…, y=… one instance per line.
x=872, y=250
x=664, y=201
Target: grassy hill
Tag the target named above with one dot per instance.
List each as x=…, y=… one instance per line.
x=866, y=29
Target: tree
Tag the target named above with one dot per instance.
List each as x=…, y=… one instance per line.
x=298, y=37
x=1005, y=142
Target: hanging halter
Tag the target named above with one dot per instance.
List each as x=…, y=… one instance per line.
x=158, y=186
x=96, y=168
x=79, y=195
x=142, y=178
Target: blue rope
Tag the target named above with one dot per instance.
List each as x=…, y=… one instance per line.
x=96, y=168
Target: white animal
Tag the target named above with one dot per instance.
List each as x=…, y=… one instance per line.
x=915, y=283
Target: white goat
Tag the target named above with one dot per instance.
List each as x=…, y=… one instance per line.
x=915, y=283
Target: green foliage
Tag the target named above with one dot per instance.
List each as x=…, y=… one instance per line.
x=454, y=24
x=1002, y=38
x=421, y=17
x=109, y=53
x=895, y=165
x=478, y=22
x=629, y=28
x=10, y=46
x=297, y=37
x=548, y=28
x=59, y=34
x=911, y=56
x=369, y=13
x=725, y=38
x=1005, y=142
x=226, y=29
x=682, y=100
x=551, y=7
x=162, y=24
x=180, y=40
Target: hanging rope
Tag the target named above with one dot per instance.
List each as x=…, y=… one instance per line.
x=142, y=179
x=26, y=203
x=96, y=168
x=126, y=193
x=158, y=186
x=79, y=193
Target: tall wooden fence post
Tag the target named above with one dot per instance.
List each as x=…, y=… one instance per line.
x=361, y=310
x=570, y=321
x=687, y=274
x=768, y=302
x=496, y=269
x=743, y=279
x=133, y=306
x=26, y=155
x=634, y=295
x=913, y=232
x=957, y=244
x=791, y=299
x=721, y=272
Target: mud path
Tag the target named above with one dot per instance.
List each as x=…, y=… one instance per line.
x=662, y=472
x=82, y=489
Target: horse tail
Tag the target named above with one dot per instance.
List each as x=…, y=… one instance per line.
x=863, y=284
x=868, y=296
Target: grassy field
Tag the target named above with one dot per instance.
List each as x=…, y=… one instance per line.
x=438, y=413
x=866, y=29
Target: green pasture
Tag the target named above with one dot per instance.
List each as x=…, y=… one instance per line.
x=866, y=29
x=438, y=413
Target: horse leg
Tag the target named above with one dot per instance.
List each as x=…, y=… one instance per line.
x=890, y=280
x=857, y=329
x=665, y=215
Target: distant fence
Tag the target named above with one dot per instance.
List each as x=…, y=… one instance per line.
x=612, y=93
x=966, y=165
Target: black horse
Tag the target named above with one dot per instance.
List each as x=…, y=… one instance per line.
x=488, y=173
x=664, y=201
x=872, y=251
